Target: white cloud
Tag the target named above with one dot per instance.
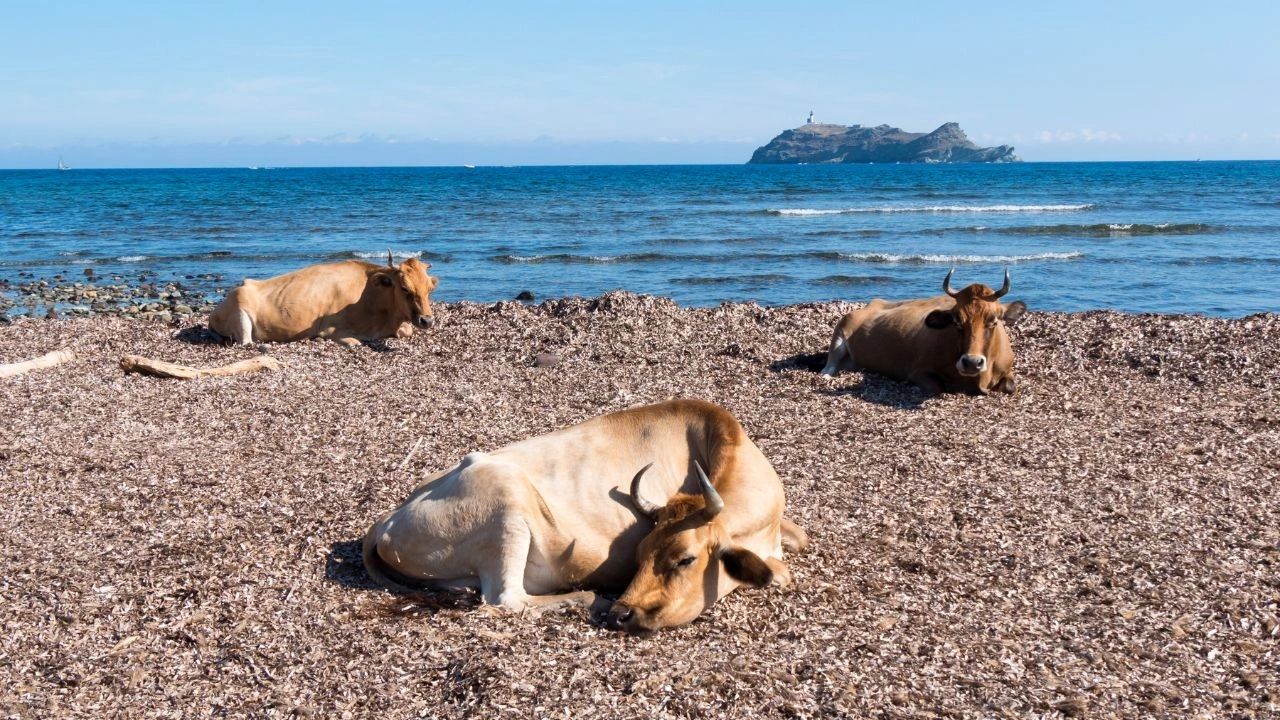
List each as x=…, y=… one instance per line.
x=1087, y=135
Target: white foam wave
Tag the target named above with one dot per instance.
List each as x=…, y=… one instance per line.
x=132, y=258
x=382, y=254
x=959, y=259
x=932, y=209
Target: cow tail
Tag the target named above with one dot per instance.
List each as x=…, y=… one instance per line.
x=376, y=567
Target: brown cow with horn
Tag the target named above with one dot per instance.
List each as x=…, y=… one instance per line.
x=955, y=341
x=553, y=519
x=346, y=301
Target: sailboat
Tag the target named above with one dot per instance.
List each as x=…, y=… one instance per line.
x=62, y=165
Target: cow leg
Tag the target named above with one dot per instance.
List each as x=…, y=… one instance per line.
x=242, y=333
x=502, y=584
x=582, y=598
x=794, y=538
x=839, y=350
x=927, y=381
x=348, y=342
x=502, y=580
x=781, y=573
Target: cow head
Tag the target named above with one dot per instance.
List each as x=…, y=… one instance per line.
x=410, y=288
x=685, y=564
x=976, y=320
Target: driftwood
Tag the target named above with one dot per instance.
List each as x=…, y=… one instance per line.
x=48, y=360
x=147, y=366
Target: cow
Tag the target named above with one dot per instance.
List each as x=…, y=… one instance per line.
x=955, y=341
x=347, y=301
x=554, y=519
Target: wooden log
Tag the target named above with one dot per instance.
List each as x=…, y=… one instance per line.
x=48, y=360
x=158, y=368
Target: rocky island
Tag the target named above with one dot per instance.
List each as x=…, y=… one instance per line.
x=834, y=144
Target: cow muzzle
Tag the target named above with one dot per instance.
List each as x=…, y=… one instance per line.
x=424, y=321
x=971, y=365
x=624, y=618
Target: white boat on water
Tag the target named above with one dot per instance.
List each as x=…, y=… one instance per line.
x=469, y=167
x=62, y=165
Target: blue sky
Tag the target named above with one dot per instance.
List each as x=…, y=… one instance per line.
x=319, y=83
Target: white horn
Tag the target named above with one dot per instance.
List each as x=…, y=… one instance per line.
x=714, y=503
x=1004, y=290
x=641, y=504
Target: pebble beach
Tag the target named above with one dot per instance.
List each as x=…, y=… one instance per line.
x=1104, y=543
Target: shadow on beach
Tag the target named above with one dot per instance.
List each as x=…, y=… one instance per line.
x=345, y=566
x=873, y=388
x=198, y=335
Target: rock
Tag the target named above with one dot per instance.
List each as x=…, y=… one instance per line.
x=838, y=144
x=183, y=309
x=525, y=296
x=88, y=272
x=546, y=360
x=52, y=314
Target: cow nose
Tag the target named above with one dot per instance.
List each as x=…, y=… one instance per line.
x=620, y=617
x=973, y=363
x=426, y=321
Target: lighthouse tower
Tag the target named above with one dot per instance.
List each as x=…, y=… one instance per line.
x=810, y=120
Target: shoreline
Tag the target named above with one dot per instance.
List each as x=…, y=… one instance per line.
x=149, y=298
x=1101, y=542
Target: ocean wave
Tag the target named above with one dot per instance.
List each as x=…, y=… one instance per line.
x=873, y=258
x=380, y=255
x=571, y=259
x=806, y=212
x=893, y=259
x=854, y=280
x=132, y=258
x=1108, y=229
x=1226, y=260
x=733, y=279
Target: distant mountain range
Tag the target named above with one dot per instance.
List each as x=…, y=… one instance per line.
x=836, y=144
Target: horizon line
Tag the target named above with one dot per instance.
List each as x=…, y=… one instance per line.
x=577, y=165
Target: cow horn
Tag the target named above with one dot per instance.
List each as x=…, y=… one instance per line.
x=391, y=262
x=714, y=503
x=1004, y=289
x=641, y=504
x=946, y=284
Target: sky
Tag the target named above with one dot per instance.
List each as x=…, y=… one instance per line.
x=179, y=84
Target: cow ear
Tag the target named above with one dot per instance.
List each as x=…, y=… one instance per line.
x=1013, y=311
x=939, y=319
x=434, y=281
x=746, y=566
x=385, y=280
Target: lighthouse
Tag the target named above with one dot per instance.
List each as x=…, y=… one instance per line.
x=810, y=120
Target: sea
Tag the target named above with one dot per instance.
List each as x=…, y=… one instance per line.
x=1164, y=237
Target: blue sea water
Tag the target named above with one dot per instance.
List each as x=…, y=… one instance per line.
x=1163, y=237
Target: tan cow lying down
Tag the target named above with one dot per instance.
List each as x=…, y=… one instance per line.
x=551, y=519
x=347, y=301
x=955, y=341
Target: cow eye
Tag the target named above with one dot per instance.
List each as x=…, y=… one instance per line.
x=685, y=561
